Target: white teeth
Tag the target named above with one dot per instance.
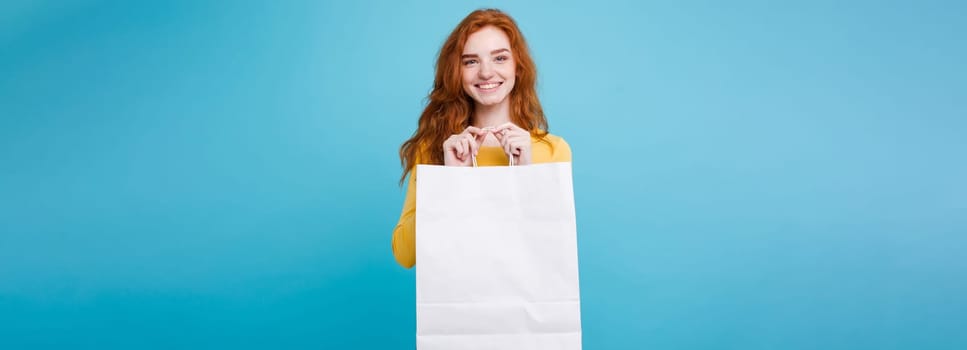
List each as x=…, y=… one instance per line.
x=489, y=86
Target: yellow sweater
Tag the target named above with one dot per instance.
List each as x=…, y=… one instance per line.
x=404, y=237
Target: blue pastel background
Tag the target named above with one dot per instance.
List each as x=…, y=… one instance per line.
x=748, y=174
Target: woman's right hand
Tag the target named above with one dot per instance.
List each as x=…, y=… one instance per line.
x=459, y=149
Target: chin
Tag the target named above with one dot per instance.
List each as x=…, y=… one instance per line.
x=491, y=101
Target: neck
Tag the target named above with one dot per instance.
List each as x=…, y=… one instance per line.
x=493, y=115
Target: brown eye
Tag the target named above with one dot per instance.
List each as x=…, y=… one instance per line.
x=469, y=62
x=502, y=58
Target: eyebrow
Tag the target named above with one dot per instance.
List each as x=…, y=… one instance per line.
x=494, y=52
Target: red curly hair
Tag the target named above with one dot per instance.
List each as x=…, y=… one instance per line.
x=449, y=108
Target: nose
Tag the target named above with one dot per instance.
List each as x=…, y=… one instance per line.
x=486, y=71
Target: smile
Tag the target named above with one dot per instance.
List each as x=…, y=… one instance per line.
x=488, y=86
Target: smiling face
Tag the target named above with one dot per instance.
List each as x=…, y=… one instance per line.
x=488, y=66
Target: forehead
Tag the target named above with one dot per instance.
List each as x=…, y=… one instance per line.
x=486, y=39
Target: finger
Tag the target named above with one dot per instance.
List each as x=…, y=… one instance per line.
x=501, y=130
x=451, y=152
x=508, y=147
x=521, y=144
x=474, y=147
x=467, y=147
x=474, y=130
x=512, y=133
x=502, y=138
x=461, y=148
x=505, y=127
x=515, y=148
x=448, y=145
x=507, y=132
x=521, y=140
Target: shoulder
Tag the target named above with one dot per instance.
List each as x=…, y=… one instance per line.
x=422, y=155
x=555, y=140
x=553, y=148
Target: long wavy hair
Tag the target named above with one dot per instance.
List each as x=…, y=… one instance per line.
x=450, y=107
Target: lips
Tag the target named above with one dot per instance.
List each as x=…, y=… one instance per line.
x=488, y=86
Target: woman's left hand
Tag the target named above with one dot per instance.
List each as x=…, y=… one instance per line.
x=515, y=141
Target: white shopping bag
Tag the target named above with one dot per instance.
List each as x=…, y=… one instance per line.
x=496, y=253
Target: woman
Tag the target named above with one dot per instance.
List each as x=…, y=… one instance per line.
x=483, y=110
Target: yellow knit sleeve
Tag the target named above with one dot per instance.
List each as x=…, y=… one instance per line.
x=554, y=150
x=404, y=235
x=562, y=151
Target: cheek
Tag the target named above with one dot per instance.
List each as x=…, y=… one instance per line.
x=510, y=76
x=467, y=82
x=509, y=72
